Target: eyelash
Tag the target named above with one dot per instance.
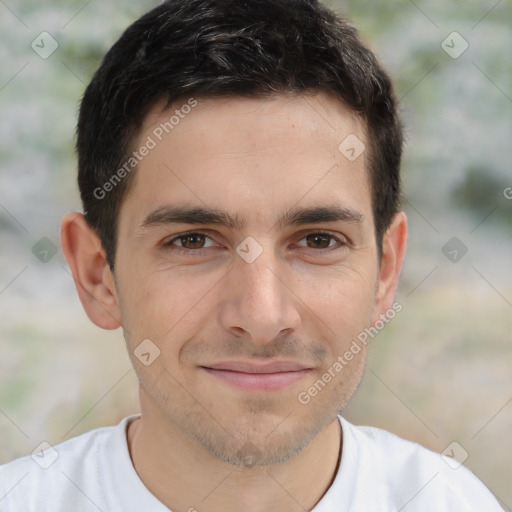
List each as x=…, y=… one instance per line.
x=192, y=252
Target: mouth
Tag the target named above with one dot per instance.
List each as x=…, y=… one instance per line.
x=271, y=376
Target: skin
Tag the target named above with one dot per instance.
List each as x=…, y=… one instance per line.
x=301, y=299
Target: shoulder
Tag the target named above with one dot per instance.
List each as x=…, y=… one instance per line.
x=412, y=476
x=54, y=476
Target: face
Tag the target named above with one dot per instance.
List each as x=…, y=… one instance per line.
x=250, y=307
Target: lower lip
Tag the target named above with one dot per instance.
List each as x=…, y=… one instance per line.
x=258, y=381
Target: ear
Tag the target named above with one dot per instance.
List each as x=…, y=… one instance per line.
x=393, y=252
x=93, y=279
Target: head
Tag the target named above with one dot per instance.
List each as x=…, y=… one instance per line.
x=268, y=130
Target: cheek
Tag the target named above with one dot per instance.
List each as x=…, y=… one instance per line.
x=342, y=297
x=164, y=305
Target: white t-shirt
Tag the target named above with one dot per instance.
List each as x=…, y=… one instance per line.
x=378, y=472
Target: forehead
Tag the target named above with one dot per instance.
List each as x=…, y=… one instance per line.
x=255, y=158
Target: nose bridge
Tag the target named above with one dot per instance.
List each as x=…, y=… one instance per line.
x=261, y=279
x=260, y=302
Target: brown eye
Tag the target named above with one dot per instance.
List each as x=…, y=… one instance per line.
x=192, y=241
x=321, y=241
x=188, y=241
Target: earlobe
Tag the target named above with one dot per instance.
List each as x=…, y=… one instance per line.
x=93, y=280
x=393, y=252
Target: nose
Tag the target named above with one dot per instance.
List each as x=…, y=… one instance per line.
x=259, y=299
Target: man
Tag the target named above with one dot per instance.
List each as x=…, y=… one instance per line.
x=239, y=172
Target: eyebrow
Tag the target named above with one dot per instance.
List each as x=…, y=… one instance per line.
x=178, y=214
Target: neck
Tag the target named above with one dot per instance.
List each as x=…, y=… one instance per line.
x=186, y=478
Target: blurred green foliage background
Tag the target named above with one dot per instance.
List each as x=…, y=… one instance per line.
x=441, y=371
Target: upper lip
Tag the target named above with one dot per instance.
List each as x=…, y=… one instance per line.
x=253, y=367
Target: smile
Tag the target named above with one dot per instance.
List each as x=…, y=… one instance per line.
x=268, y=377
